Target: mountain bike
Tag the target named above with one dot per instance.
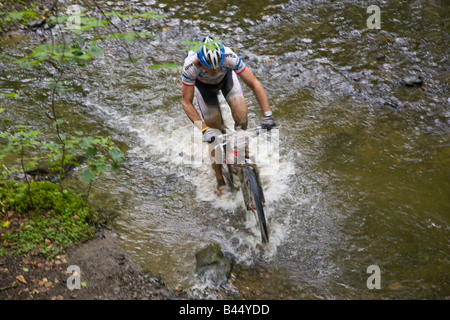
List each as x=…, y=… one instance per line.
x=232, y=151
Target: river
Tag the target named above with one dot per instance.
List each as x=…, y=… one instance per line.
x=362, y=173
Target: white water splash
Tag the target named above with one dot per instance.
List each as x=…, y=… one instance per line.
x=178, y=146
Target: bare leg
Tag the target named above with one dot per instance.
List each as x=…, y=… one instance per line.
x=216, y=122
x=239, y=112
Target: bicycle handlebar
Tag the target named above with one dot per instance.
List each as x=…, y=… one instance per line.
x=238, y=139
x=241, y=133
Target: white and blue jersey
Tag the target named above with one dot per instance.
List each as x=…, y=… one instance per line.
x=194, y=71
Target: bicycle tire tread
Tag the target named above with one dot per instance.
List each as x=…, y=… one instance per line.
x=254, y=188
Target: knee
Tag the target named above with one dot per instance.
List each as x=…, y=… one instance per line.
x=241, y=123
x=214, y=121
x=241, y=120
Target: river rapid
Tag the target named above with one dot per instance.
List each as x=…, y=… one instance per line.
x=361, y=174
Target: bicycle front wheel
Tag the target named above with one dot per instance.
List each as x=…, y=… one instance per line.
x=255, y=201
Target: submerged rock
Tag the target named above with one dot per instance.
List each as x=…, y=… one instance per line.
x=212, y=265
x=37, y=24
x=413, y=81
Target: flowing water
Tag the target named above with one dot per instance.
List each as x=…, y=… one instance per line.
x=362, y=173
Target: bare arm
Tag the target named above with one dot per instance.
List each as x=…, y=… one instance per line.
x=187, y=93
x=260, y=94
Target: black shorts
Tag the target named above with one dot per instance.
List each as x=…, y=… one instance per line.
x=207, y=94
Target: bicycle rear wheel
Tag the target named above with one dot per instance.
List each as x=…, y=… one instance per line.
x=255, y=200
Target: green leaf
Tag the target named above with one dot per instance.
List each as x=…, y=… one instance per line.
x=14, y=15
x=85, y=57
x=89, y=23
x=129, y=36
x=95, y=50
x=194, y=45
x=115, y=166
x=116, y=155
x=212, y=44
x=55, y=84
x=156, y=66
x=102, y=168
x=164, y=65
x=30, y=165
x=5, y=56
x=42, y=51
x=88, y=175
x=86, y=142
x=171, y=66
x=91, y=152
x=21, y=127
x=135, y=59
x=13, y=95
x=145, y=34
x=60, y=19
x=57, y=123
x=151, y=15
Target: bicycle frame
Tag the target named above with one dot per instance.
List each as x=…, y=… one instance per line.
x=235, y=145
x=237, y=162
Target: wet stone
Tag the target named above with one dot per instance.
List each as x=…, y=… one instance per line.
x=212, y=266
x=413, y=81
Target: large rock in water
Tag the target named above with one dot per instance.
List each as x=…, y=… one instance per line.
x=413, y=81
x=212, y=265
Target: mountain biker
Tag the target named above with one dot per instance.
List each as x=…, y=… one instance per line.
x=212, y=69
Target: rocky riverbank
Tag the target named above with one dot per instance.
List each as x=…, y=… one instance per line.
x=106, y=273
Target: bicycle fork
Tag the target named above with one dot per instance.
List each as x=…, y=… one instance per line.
x=238, y=169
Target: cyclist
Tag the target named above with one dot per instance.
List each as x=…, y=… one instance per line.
x=215, y=68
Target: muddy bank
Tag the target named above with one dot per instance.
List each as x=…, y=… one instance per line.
x=106, y=273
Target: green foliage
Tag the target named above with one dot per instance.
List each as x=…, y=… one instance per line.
x=43, y=216
x=196, y=45
x=193, y=45
x=8, y=94
x=20, y=13
x=102, y=155
x=75, y=48
x=150, y=15
x=47, y=219
x=130, y=36
x=29, y=14
x=57, y=221
x=47, y=197
x=20, y=140
x=63, y=53
x=164, y=65
x=99, y=153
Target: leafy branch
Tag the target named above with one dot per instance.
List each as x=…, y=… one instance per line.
x=19, y=140
x=100, y=154
x=196, y=45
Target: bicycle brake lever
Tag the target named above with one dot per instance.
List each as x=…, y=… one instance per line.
x=258, y=128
